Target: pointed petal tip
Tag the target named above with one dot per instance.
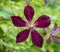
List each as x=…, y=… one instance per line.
x=18, y=21
x=43, y=21
x=12, y=17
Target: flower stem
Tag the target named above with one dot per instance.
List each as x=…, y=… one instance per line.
x=4, y=47
x=27, y=3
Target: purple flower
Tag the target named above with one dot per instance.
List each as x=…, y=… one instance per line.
x=45, y=2
x=54, y=31
x=42, y=22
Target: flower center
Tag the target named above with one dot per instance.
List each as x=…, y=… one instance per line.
x=31, y=26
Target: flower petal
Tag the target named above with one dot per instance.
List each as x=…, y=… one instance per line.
x=54, y=28
x=37, y=39
x=17, y=21
x=48, y=40
x=56, y=39
x=57, y=31
x=22, y=36
x=29, y=12
x=45, y=2
x=42, y=22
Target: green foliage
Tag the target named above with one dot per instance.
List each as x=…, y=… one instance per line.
x=8, y=32
x=1, y=32
x=5, y=13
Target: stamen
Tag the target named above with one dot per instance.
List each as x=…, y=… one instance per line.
x=31, y=26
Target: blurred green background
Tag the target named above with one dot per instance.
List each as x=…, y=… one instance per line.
x=8, y=31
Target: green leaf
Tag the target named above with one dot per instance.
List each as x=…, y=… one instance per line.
x=6, y=13
x=8, y=10
x=36, y=3
x=4, y=27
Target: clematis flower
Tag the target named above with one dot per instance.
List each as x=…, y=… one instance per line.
x=54, y=31
x=42, y=22
x=45, y=2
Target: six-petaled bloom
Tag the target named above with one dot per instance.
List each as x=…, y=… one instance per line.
x=42, y=22
x=54, y=31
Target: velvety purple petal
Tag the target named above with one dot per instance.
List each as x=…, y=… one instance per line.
x=29, y=12
x=22, y=36
x=42, y=22
x=48, y=40
x=18, y=21
x=37, y=39
x=56, y=39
